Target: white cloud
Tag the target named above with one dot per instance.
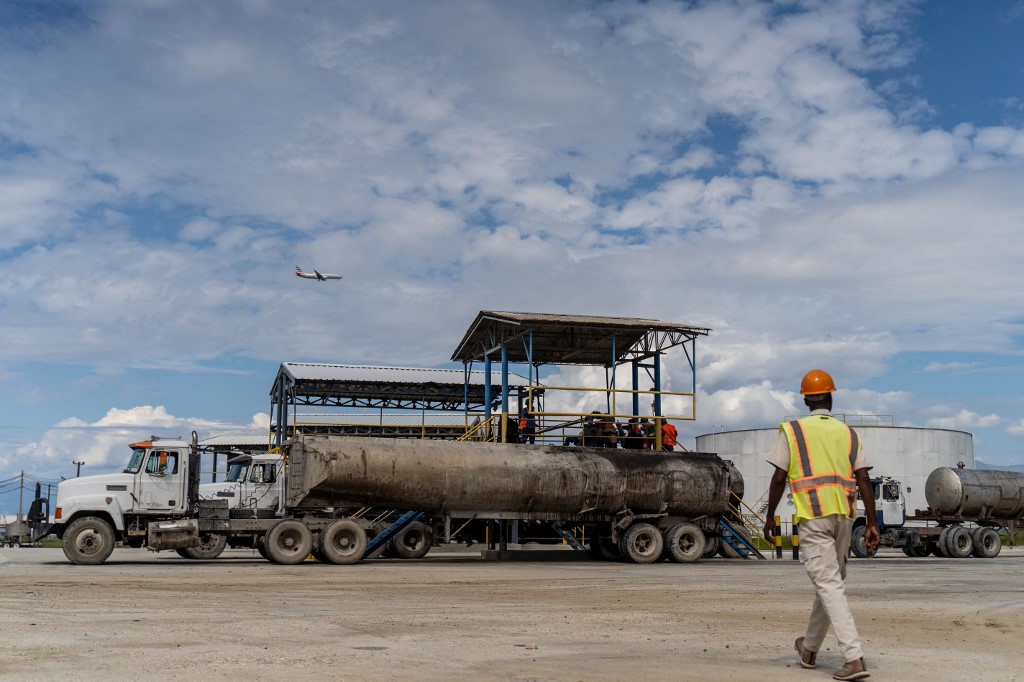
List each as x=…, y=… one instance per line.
x=1016, y=429
x=961, y=420
x=103, y=444
x=729, y=165
x=948, y=366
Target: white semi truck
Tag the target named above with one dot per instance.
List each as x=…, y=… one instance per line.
x=966, y=507
x=638, y=505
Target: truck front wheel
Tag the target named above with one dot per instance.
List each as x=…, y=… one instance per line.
x=88, y=541
x=857, y=544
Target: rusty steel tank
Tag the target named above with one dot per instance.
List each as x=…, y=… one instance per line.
x=529, y=481
x=976, y=493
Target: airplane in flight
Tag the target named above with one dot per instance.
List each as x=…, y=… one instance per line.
x=317, y=275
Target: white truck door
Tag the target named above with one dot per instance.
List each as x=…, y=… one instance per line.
x=160, y=486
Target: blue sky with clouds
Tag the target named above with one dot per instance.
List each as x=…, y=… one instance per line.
x=831, y=184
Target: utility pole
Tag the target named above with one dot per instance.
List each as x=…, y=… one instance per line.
x=79, y=472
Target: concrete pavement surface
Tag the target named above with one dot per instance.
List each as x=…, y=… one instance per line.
x=453, y=616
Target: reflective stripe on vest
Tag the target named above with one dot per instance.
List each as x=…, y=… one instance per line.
x=823, y=451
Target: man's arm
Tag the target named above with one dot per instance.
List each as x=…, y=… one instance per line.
x=871, y=535
x=775, y=490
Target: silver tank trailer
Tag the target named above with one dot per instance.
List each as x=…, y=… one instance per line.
x=976, y=493
x=452, y=476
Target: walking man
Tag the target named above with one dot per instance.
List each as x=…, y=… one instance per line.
x=821, y=458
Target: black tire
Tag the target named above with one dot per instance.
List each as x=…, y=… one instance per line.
x=986, y=542
x=88, y=541
x=413, y=541
x=940, y=544
x=728, y=551
x=857, y=544
x=908, y=550
x=343, y=542
x=261, y=547
x=958, y=542
x=684, y=543
x=711, y=545
x=641, y=543
x=210, y=547
x=288, y=542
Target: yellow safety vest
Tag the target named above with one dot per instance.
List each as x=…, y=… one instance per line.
x=822, y=452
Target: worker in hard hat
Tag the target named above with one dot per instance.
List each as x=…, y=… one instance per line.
x=821, y=459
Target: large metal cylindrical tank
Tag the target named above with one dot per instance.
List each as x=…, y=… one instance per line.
x=976, y=493
x=435, y=475
x=907, y=454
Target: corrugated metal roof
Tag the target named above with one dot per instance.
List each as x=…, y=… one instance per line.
x=308, y=371
x=240, y=439
x=544, y=338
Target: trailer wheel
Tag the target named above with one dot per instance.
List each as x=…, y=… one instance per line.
x=210, y=546
x=684, y=543
x=958, y=543
x=642, y=543
x=343, y=542
x=288, y=542
x=711, y=545
x=88, y=541
x=413, y=541
x=940, y=544
x=986, y=542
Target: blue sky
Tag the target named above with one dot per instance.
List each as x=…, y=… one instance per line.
x=831, y=184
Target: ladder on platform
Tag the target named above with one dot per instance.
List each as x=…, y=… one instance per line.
x=566, y=535
x=738, y=541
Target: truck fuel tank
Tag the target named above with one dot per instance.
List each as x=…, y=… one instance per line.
x=976, y=493
x=437, y=475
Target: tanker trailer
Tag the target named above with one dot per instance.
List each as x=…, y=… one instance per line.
x=988, y=499
x=638, y=503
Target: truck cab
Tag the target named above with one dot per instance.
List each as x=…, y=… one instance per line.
x=252, y=486
x=890, y=504
x=92, y=513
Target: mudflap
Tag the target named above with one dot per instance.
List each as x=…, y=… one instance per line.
x=179, y=534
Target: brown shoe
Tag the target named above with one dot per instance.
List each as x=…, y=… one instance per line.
x=808, y=658
x=852, y=670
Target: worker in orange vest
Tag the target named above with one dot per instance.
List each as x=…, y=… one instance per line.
x=668, y=436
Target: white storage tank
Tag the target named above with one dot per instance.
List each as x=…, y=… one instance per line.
x=904, y=453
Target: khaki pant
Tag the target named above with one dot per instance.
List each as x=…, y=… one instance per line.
x=824, y=544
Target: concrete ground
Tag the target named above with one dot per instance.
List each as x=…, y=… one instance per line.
x=452, y=616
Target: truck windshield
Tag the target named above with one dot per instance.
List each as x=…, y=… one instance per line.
x=236, y=472
x=135, y=463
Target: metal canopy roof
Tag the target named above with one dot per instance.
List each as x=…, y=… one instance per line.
x=570, y=339
x=384, y=387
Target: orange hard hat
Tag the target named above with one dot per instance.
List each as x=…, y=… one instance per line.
x=817, y=382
